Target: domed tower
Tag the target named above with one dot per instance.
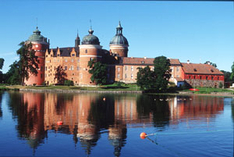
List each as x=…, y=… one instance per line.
x=119, y=44
x=39, y=44
x=89, y=49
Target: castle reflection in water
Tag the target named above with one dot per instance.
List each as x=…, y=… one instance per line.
x=86, y=115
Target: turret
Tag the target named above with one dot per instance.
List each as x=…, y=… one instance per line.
x=119, y=44
x=39, y=44
x=89, y=49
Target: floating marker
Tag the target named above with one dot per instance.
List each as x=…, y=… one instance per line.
x=104, y=99
x=143, y=135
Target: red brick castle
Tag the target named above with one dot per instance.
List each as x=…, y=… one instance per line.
x=73, y=63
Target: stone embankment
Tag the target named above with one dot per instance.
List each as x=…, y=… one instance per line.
x=76, y=91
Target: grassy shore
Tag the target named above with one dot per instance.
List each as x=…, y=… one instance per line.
x=112, y=87
x=118, y=87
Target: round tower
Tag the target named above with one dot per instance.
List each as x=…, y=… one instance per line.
x=119, y=44
x=39, y=45
x=89, y=49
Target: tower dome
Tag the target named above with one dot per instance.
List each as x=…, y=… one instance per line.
x=90, y=39
x=119, y=44
x=119, y=39
x=37, y=37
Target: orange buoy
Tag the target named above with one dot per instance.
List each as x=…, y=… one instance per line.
x=60, y=123
x=143, y=135
x=104, y=99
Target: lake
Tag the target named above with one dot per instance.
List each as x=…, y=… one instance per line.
x=65, y=124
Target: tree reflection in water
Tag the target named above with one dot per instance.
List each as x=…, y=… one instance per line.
x=1, y=93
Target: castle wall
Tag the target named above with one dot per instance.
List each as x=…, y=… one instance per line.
x=60, y=68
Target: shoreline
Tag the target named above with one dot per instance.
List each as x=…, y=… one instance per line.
x=222, y=94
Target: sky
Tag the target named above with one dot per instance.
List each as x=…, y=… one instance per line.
x=186, y=30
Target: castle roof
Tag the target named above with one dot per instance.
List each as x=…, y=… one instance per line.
x=90, y=39
x=175, y=62
x=137, y=61
x=119, y=39
x=191, y=68
x=37, y=37
x=65, y=51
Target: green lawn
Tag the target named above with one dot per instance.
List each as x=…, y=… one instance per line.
x=203, y=90
x=112, y=87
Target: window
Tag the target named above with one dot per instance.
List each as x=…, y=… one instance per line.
x=65, y=68
x=78, y=60
x=78, y=68
x=41, y=68
x=86, y=51
x=118, y=76
x=200, y=77
x=73, y=54
x=126, y=68
x=72, y=60
x=41, y=75
x=125, y=75
x=177, y=69
x=72, y=68
x=142, y=62
x=45, y=68
x=131, y=76
x=132, y=68
x=91, y=59
x=65, y=60
x=118, y=68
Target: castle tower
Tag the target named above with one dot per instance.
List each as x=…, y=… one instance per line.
x=77, y=41
x=119, y=44
x=89, y=49
x=39, y=44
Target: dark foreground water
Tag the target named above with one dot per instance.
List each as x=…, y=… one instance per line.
x=110, y=125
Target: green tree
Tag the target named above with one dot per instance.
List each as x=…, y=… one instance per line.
x=1, y=65
x=162, y=72
x=60, y=75
x=146, y=78
x=213, y=64
x=12, y=76
x=98, y=71
x=156, y=80
x=232, y=74
x=28, y=62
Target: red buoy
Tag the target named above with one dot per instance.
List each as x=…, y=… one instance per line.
x=60, y=123
x=143, y=135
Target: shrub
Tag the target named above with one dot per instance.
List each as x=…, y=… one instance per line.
x=68, y=83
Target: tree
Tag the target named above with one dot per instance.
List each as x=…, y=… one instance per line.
x=1, y=65
x=213, y=64
x=162, y=72
x=12, y=76
x=28, y=62
x=146, y=78
x=98, y=71
x=156, y=80
x=1, y=62
x=232, y=74
x=60, y=75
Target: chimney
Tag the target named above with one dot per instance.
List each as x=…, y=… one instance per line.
x=144, y=57
x=188, y=62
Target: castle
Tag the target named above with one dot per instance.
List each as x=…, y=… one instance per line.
x=71, y=63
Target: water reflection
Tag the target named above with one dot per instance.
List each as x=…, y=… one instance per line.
x=86, y=116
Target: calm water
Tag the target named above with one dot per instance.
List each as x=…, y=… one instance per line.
x=110, y=125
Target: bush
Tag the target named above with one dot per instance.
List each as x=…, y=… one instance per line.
x=68, y=83
x=220, y=85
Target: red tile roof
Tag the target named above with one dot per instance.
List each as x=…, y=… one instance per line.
x=192, y=68
x=138, y=61
x=175, y=62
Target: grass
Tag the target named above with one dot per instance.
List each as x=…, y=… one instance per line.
x=203, y=90
x=111, y=87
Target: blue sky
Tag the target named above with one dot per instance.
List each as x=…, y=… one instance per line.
x=196, y=31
